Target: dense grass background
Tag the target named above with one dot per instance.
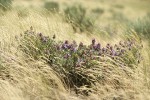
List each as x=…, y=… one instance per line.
x=26, y=70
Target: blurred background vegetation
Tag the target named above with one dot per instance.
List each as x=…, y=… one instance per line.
x=89, y=16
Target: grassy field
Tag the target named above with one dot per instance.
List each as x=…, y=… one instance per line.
x=75, y=50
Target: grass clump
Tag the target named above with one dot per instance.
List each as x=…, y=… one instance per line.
x=118, y=6
x=5, y=4
x=51, y=6
x=73, y=61
x=99, y=11
x=77, y=16
x=141, y=26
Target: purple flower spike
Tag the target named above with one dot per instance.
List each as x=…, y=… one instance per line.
x=108, y=45
x=66, y=42
x=122, y=51
x=81, y=44
x=99, y=54
x=40, y=34
x=111, y=48
x=44, y=39
x=113, y=53
x=98, y=45
x=120, y=43
x=103, y=49
x=73, y=49
x=69, y=46
x=58, y=47
x=93, y=41
x=54, y=36
x=64, y=46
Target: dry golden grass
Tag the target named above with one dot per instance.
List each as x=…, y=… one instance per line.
x=24, y=78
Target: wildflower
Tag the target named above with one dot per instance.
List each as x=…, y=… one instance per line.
x=120, y=43
x=73, y=49
x=113, y=53
x=116, y=54
x=64, y=46
x=66, y=42
x=130, y=44
x=94, y=47
x=54, y=36
x=103, y=49
x=80, y=45
x=122, y=51
x=99, y=54
x=44, y=39
x=108, y=45
x=111, y=48
x=98, y=46
x=40, y=34
x=78, y=65
x=69, y=46
x=93, y=41
x=57, y=47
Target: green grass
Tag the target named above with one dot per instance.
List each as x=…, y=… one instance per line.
x=141, y=26
x=78, y=18
x=5, y=4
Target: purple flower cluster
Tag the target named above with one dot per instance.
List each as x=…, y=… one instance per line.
x=44, y=39
x=80, y=54
x=72, y=60
x=93, y=51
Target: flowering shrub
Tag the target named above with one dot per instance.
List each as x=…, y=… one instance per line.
x=77, y=62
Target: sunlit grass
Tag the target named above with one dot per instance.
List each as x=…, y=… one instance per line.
x=25, y=78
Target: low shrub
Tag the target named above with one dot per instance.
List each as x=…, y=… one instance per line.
x=118, y=6
x=77, y=63
x=119, y=16
x=141, y=26
x=5, y=4
x=51, y=6
x=77, y=16
x=98, y=11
